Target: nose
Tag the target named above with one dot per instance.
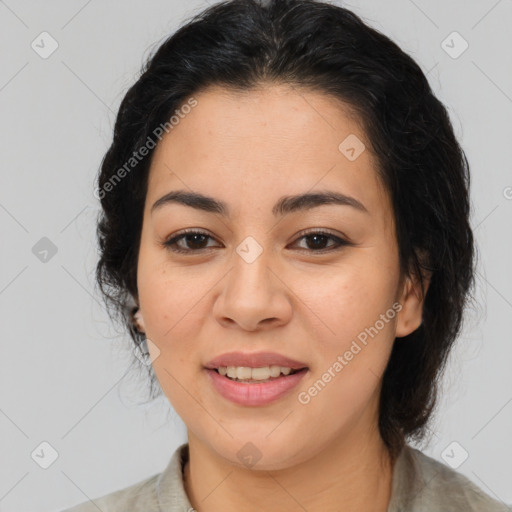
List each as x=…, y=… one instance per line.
x=253, y=297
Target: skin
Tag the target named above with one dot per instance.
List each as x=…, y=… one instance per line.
x=250, y=149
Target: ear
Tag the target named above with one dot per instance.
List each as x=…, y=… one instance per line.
x=410, y=316
x=139, y=321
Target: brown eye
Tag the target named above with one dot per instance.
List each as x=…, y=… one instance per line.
x=316, y=241
x=191, y=241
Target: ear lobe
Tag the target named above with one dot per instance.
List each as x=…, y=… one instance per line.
x=410, y=316
x=139, y=321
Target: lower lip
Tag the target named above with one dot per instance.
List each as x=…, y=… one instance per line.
x=260, y=393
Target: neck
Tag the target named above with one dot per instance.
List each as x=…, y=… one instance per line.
x=349, y=474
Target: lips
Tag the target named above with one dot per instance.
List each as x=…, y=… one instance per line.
x=252, y=394
x=254, y=360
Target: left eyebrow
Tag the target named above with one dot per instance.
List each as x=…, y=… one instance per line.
x=284, y=205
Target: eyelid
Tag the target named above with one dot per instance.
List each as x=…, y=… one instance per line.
x=174, y=238
x=322, y=231
x=341, y=240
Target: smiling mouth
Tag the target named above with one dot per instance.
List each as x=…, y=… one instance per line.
x=254, y=392
x=282, y=373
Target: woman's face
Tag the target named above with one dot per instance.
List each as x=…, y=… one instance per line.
x=251, y=281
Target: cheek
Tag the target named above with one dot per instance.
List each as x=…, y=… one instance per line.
x=352, y=345
x=171, y=315
x=355, y=336
x=173, y=319
x=163, y=293
x=348, y=299
x=174, y=316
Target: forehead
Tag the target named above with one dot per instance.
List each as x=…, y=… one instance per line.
x=269, y=141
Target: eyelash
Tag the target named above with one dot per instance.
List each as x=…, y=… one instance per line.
x=169, y=243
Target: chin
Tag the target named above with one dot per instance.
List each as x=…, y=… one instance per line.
x=260, y=453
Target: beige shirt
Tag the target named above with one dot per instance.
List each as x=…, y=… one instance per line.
x=420, y=484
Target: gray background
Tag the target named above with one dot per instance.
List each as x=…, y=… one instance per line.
x=63, y=369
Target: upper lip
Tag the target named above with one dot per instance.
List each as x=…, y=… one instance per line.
x=254, y=360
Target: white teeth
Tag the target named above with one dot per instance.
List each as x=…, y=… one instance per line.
x=246, y=373
x=275, y=371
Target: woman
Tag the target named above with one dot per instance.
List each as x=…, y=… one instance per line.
x=286, y=207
